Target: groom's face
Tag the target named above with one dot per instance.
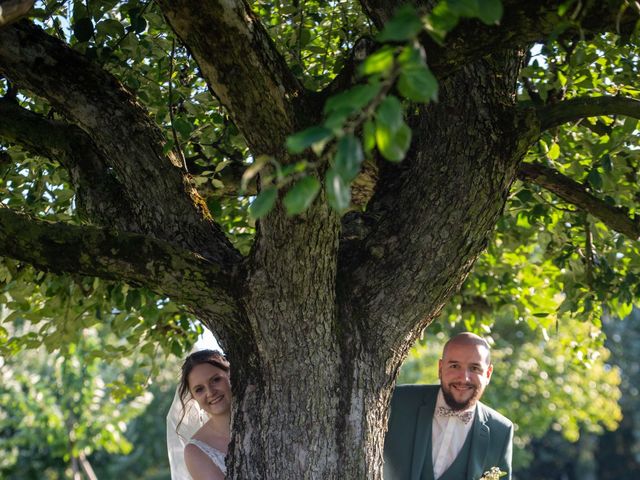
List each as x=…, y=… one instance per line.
x=464, y=372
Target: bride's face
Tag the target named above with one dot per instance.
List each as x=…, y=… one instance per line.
x=211, y=388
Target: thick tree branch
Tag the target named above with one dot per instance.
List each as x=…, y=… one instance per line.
x=242, y=68
x=12, y=10
x=166, y=203
x=100, y=198
x=554, y=115
x=616, y=218
x=40, y=135
x=137, y=259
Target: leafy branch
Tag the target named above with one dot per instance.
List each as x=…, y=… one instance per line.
x=577, y=194
x=133, y=258
x=554, y=115
x=177, y=147
x=370, y=115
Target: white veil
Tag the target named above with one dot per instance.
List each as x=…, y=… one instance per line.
x=178, y=437
x=194, y=418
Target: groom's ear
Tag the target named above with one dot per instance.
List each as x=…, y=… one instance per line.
x=489, y=372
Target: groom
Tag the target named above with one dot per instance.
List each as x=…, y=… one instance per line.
x=444, y=432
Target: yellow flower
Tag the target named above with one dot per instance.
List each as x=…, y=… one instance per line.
x=493, y=474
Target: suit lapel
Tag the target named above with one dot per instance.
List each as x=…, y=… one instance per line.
x=422, y=457
x=479, y=445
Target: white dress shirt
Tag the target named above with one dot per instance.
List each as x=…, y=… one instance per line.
x=448, y=435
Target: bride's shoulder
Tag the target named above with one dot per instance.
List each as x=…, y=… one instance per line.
x=200, y=465
x=204, y=461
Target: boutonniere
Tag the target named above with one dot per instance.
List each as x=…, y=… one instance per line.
x=493, y=474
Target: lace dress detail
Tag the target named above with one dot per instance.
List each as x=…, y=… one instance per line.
x=216, y=456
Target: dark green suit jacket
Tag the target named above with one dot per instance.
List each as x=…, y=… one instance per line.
x=407, y=446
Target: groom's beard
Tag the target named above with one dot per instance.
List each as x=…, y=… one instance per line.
x=454, y=404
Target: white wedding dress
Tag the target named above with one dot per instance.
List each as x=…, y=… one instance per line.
x=216, y=456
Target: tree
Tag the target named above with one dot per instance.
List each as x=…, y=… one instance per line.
x=55, y=411
x=609, y=455
x=318, y=309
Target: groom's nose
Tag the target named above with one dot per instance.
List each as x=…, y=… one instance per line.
x=466, y=375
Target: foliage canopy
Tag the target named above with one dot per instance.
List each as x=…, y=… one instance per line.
x=321, y=161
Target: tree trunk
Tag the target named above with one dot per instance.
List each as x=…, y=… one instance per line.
x=315, y=378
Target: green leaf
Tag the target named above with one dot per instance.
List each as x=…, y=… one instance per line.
x=441, y=21
x=335, y=121
x=305, y=36
x=630, y=125
x=338, y=191
x=300, y=141
x=110, y=27
x=418, y=84
x=490, y=11
x=524, y=195
x=411, y=56
x=138, y=23
x=380, y=62
x=554, y=151
x=393, y=145
x=390, y=114
x=465, y=8
x=183, y=127
x=404, y=25
x=83, y=29
x=562, y=8
x=301, y=195
x=263, y=203
x=562, y=78
x=369, y=136
x=353, y=99
x=594, y=179
x=348, y=157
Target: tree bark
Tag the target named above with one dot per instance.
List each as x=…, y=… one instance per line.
x=332, y=322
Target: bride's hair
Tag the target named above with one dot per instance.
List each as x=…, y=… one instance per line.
x=212, y=357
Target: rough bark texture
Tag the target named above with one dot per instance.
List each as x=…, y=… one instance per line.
x=165, y=203
x=260, y=92
x=318, y=318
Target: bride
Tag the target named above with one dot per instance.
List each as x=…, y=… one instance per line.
x=204, y=396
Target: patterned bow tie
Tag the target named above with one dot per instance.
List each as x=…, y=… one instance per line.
x=465, y=417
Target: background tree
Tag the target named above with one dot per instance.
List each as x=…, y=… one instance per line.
x=318, y=310
x=56, y=411
x=611, y=455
